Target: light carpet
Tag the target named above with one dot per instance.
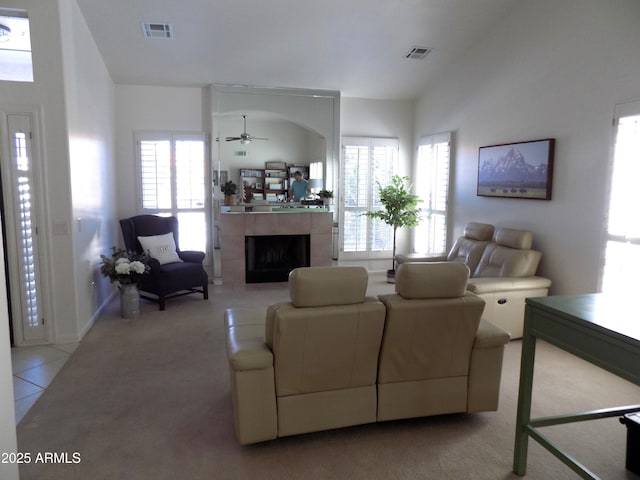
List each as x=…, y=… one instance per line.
x=149, y=398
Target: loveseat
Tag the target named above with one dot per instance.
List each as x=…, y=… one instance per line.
x=503, y=271
x=333, y=357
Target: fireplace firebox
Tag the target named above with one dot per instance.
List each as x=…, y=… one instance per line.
x=270, y=258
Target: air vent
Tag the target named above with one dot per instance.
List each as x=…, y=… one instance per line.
x=417, y=53
x=240, y=153
x=157, y=30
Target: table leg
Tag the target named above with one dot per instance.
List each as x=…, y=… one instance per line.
x=524, y=397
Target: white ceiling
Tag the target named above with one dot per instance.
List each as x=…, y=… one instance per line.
x=354, y=46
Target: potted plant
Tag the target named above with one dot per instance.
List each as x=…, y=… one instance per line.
x=400, y=210
x=326, y=196
x=126, y=269
x=229, y=189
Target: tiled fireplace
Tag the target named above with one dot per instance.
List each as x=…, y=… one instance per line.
x=238, y=226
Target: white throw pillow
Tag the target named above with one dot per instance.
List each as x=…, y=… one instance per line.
x=161, y=247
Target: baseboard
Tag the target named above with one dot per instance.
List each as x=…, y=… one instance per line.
x=92, y=320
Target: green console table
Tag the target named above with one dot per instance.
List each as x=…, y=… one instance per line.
x=602, y=329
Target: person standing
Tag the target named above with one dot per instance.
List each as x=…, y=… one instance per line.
x=299, y=187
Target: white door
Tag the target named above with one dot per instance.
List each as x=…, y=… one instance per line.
x=18, y=172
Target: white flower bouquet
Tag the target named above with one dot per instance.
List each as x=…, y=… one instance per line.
x=124, y=267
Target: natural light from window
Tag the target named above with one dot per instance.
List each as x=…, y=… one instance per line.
x=15, y=46
x=432, y=186
x=622, y=255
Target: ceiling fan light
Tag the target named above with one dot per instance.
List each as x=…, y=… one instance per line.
x=245, y=141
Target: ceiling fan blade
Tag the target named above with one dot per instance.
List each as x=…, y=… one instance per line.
x=258, y=138
x=232, y=139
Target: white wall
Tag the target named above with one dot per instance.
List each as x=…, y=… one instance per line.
x=361, y=117
x=46, y=95
x=551, y=69
x=90, y=113
x=147, y=108
x=8, y=441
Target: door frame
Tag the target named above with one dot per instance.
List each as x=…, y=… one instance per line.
x=40, y=210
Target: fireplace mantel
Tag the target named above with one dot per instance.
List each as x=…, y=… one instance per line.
x=235, y=226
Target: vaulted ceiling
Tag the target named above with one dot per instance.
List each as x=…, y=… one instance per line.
x=355, y=46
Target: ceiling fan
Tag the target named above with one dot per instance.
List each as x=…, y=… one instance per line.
x=244, y=137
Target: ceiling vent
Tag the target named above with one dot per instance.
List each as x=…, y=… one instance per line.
x=157, y=30
x=417, y=53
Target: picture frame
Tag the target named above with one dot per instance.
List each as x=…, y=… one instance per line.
x=257, y=186
x=516, y=170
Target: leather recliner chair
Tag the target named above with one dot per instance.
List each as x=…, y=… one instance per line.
x=467, y=249
x=437, y=355
x=310, y=364
x=506, y=276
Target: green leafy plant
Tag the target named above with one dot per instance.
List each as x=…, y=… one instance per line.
x=229, y=188
x=325, y=193
x=400, y=208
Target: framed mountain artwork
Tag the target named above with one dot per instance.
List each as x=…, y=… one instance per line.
x=516, y=170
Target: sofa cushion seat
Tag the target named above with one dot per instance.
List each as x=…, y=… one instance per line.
x=495, y=284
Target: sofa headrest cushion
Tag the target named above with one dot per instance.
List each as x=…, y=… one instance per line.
x=432, y=280
x=478, y=231
x=321, y=286
x=509, y=237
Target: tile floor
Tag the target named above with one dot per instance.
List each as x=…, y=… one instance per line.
x=33, y=369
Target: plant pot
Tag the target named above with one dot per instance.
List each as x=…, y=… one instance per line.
x=327, y=201
x=391, y=276
x=228, y=200
x=129, y=301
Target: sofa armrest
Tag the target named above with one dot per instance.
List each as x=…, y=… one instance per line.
x=252, y=377
x=485, y=368
x=246, y=346
x=501, y=284
x=247, y=349
x=191, y=256
x=490, y=336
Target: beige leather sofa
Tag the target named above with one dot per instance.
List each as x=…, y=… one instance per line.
x=467, y=249
x=312, y=365
x=316, y=363
x=503, y=267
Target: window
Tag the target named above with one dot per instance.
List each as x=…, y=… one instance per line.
x=22, y=240
x=367, y=163
x=316, y=176
x=172, y=179
x=622, y=251
x=432, y=186
x=15, y=46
